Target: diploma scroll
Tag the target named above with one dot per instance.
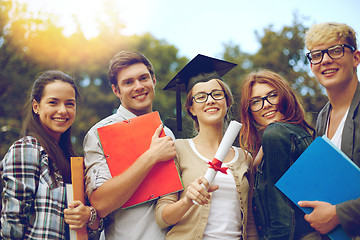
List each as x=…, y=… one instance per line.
x=227, y=141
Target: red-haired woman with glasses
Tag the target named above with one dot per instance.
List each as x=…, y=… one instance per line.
x=276, y=132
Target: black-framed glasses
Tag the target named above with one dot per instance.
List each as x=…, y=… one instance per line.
x=256, y=104
x=203, y=96
x=334, y=52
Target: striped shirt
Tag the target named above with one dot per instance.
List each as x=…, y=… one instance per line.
x=32, y=204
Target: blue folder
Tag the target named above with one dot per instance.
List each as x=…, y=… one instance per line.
x=323, y=173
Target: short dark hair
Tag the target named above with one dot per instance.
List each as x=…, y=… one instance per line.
x=124, y=59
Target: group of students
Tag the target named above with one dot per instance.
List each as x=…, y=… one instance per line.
x=241, y=204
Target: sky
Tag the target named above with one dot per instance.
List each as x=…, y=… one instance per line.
x=201, y=26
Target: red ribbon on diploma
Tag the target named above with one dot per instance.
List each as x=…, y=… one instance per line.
x=216, y=165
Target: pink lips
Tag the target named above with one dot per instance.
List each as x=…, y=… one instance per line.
x=329, y=71
x=269, y=114
x=140, y=96
x=211, y=109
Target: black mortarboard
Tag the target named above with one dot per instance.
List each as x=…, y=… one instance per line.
x=199, y=69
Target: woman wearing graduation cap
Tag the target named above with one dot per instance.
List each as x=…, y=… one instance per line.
x=222, y=211
x=274, y=128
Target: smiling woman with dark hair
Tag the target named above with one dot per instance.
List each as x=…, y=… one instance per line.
x=37, y=166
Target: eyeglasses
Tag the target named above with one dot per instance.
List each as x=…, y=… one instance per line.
x=203, y=97
x=256, y=104
x=334, y=52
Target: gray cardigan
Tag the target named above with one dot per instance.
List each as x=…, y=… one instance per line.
x=348, y=212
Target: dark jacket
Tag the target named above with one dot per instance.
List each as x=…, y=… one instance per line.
x=348, y=212
x=276, y=217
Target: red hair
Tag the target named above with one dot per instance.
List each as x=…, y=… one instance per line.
x=289, y=106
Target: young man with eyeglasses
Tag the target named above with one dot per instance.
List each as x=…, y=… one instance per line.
x=334, y=59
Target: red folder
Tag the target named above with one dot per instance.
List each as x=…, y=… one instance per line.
x=124, y=142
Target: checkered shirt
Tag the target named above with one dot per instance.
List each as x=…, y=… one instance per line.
x=32, y=205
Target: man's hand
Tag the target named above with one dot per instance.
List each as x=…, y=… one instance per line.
x=323, y=218
x=161, y=148
x=113, y=193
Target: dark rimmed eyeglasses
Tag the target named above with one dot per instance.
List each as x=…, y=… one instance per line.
x=203, y=97
x=256, y=104
x=334, y=52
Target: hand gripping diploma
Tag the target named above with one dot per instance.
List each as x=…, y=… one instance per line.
x=215, y=166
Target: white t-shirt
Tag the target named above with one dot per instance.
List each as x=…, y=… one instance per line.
x=223, y=222
x=336, y=139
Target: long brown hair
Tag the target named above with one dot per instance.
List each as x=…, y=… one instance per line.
x=58, y=153
x=289, y=106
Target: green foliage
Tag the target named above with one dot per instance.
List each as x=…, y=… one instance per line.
x=29, y=45
x=14, y=70
x=284, y=52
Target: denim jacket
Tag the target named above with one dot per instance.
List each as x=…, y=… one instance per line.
x=276, y=217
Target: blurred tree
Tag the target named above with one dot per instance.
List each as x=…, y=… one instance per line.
x=284, y=52
x=233, y=53
x=30, y=44
x=15, y=69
